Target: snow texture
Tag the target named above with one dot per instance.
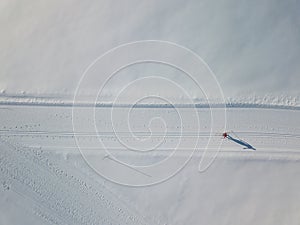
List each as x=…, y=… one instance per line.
x=46, y=178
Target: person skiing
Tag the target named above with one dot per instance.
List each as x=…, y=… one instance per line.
x=238, y=141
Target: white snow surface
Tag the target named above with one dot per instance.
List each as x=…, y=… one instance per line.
x=252, y=47
x=45, y=179
x=97, y=162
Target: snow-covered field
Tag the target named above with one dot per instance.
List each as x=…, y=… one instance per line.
x=113, y=112
x=47, y=180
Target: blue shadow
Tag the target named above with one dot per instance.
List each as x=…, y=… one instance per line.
x=247, y=145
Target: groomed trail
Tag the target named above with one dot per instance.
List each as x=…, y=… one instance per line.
x=270, y=130
x=40, y=160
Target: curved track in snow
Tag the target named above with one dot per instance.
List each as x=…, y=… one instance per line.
x=60, y=194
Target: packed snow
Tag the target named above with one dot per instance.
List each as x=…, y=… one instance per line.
x=56, y=182
x=149, y=112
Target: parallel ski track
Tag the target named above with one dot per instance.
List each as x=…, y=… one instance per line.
x=232, y=151
x=140, y=134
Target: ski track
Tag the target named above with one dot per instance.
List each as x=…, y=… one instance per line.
x=58, y=193
x=28, y=139
x=62, y=195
